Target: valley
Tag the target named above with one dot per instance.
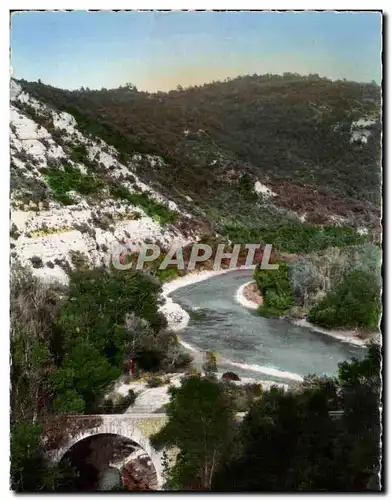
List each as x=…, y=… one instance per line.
x=287, y=160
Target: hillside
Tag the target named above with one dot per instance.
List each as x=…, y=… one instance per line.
x=91, y=171
x=73, y=201
x=309, y=147
x=259, y=158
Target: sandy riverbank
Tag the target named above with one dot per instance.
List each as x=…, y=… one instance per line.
x=177, y=318
x=349, y=336
x=247, y=297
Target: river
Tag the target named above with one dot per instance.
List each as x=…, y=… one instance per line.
x=248, y=344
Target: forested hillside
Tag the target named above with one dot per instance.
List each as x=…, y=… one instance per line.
x=312, y=144
x=289, y=160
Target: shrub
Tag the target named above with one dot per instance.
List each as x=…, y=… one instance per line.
x=103, y=221
x=275, y=288
x=305, y=278
x=71, y=179
x=314, y=276
x=355, y=302
x=36, y=262
x=230, y=376
x=98, y=335
x=124, y=402
x=79, y=259
x=79, y=153
x=160, y=213
x=210, y=364
x=294, y=236
x=155, y=381
x=14, y=233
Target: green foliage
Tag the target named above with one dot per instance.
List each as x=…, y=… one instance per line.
x=120, y=404
x=155, y=381
x=246, y=188
x=71, y=179
x=295, y=236
x=29, y=470
x=312, y=276
x=355, y=302
x=167, y=274
x=160, y=213
x=69, y=401
x=241, y=396
x=99, y=335
x=210, y=365
x=25, y=440
x=200, y=424
x=275, y=288
x=289, y=442
x=79, y=259
x=291, y=128
x=94, y=336
x=79, y=154
x=34, y=306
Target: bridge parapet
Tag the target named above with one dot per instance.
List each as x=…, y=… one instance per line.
x=136, y=427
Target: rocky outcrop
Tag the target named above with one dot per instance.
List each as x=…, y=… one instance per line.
x=231, y=376
x=54, y=226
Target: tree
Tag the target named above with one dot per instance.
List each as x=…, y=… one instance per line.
x=29, y=470
x=290, y=442
x=209, y=365
x=355, y=302
x=200, y=425
x=360, y=384
x=34, y=306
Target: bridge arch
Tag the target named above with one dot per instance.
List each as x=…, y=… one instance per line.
x=133, y=428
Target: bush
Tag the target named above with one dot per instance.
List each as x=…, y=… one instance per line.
x=36, y=262
x=119, y=405
x=314, y=276
x=210, y=364
x=160, y=213
x=125, y=402
x=95, y=339
x=71, y=179
x=275, y=288
x=155, y=381
x=294, y=236
x=79, y=153
x=355, y=302
x=305, y=278
x=79, y=259
x=14, y=233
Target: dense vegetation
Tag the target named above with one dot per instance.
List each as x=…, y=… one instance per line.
x=67, y=345
x=160, y=213
x=338, y=287
x=199, y=408
x=68, y=179
x=295, y=237
x=292, y=132
x=65, y=177
x=288, y=442
x=355, y=302
x=275, y=288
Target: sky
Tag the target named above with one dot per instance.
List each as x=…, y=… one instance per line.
x=160, y=50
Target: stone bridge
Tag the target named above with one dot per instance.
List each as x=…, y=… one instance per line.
x=137, y=427
x=65, y=431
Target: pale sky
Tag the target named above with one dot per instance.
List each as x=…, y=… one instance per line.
x=160, y=50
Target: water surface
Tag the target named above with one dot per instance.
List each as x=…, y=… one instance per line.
x=250, y=345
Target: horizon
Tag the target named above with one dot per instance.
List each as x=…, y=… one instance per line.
x=223, y=80
x=158, y=51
